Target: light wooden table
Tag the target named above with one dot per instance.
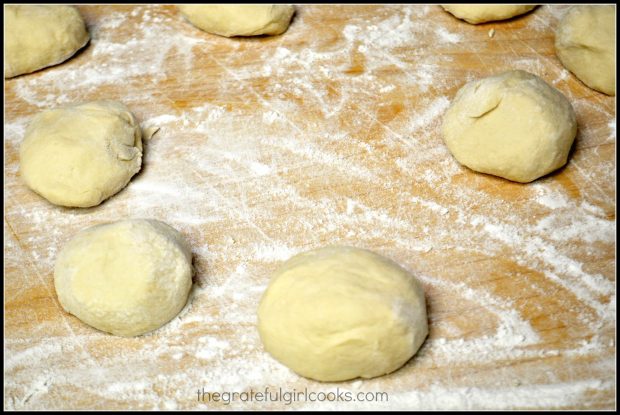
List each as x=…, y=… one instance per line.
x=327, y=134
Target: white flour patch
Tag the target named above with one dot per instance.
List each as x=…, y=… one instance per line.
x=265, y=252
x=159, y=121
x=14, y=131
x=446, y=36
x=112, y=21
x=564, y=75
x=549, y=198
x=612, y=130
x=530, y=396
x=211, y=348
x=431, y=205
x=387, y=88
x=270, y=116
x=511, y=337
x=582, y=227
x=432, y=112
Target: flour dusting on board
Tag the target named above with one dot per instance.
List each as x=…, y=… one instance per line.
x=300, y=141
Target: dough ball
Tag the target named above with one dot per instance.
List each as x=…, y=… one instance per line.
x=585, y=42
x=80, y=155
x=239, y=20
x=39, y=36
x=513, y=125
x=481, y=13
x=126, y=278
x=339, y=313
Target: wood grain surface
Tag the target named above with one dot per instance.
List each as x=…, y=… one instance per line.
x=327, y=134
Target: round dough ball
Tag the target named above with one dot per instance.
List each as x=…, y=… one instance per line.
x=39, y=36
x=80, y=155
x=126, y=278
x=481, y=13
x=513, y=125
x=240, y=20
x=585, y=42
x=339, y=313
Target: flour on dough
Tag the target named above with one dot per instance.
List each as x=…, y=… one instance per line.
x=126, y=278
x=339, y=313
x=39, y=36
x=80, y=155
x=239, y=20
x=513, y=125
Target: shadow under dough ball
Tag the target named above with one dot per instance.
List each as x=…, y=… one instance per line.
x=512, y=125
x=239, y=20
x=79, y=155
x=339, y=313
x=39, y=36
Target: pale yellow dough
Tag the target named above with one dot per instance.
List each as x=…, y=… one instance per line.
x=339, y=313
x=585, y=42
x=513, y=125
x=239, y=20
x=481, y=13
x=39, y=36
x=80, y=155
x=125, y=278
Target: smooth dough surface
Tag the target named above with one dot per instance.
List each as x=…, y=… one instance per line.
x=481, y=13
x=339, y=313
x=240, y=20
x=585, y=42
x=80, y=155
x=513, y=125
x=39, y=36
x=126, y=278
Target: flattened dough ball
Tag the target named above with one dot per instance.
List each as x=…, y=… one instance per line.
x=80, y=155
x=239, y=20
x=339, y=313
x=512, y=125
x=482, y=13
x=126, y=278
x=39, y=36
x=585, y=42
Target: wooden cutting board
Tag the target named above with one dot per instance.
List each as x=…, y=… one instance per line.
x=327, y=134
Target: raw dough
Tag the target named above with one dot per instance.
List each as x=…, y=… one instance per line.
x=585, y=42
x=126, y=278
x=39, y=36
x=339, y=313
x=240, y=20
x=513, y=125
x=81, y=155
x=481, y=13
